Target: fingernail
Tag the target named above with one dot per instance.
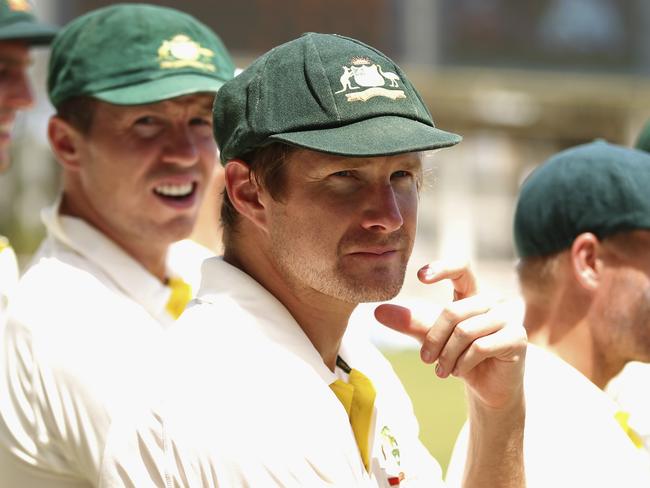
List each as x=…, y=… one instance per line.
x=439, y=371
x=426, y=356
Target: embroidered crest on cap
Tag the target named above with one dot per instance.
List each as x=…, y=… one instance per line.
x=19, y=5
x=366, y=74
x=182, y=52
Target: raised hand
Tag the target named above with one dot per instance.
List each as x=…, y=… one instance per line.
x=476, y=337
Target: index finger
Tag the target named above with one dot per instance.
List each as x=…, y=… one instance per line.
x=460, y=275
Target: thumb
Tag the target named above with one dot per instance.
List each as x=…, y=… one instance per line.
x=401, y=320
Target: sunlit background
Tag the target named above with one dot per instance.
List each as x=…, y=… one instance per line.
x=518, y=79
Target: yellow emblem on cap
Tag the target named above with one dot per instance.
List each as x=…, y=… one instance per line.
x=182, y=52
x=19, y=5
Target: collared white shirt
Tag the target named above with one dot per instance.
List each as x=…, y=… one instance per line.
x=83, y=323
x=246, y=401
x=571, y=437
x=631, y=390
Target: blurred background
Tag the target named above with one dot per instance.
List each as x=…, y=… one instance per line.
x=519, y=80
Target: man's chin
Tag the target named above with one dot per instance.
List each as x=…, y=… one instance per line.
x=367, y=292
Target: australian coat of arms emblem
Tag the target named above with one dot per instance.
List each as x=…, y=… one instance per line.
x=180, y=51
x=19, y=5
x=371, y=81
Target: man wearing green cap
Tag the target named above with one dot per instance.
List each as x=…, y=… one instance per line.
x=582, y=232
x=19, y=31
x=133, y=87
x=630, y=388
x=322, y=140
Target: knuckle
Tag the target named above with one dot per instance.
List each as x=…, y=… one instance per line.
x=480, y=348
x=430, y=340
x=449, y=315
x=462, y=332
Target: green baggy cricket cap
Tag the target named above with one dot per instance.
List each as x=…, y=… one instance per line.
x=597, y=187
x=131, y=54
x=326, y=93
x=18, y=23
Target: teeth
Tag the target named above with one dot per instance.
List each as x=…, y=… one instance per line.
x=174, y=190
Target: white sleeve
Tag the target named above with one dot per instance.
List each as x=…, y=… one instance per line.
x=135, y=454
x=46, y=421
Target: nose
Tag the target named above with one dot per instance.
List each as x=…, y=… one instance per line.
x=382, y=211
x=181, y=147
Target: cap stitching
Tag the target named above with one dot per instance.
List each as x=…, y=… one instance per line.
x=324, y=73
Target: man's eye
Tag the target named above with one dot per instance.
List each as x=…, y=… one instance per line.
x=201, y=121
x=343, y=174
x=146, y=120
x=401, y=174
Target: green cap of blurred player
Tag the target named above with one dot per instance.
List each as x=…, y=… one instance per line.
x=326, y=93
x=18, y=23
x=597, y=187
x=131, y=54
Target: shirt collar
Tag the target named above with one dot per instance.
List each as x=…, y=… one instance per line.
x=271, y=316
x=124, y=271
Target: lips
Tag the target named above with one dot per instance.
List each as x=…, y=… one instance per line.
x=378, y=251
x=175, y=190
x=180, y=195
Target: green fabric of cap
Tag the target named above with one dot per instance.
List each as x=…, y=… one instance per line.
x=131, y=54
x=18, y=23
x=327, y=93
x=597, y=187
x=643, y=140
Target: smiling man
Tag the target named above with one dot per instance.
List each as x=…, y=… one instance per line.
x=322, y=180
x=133, y=87
x=19, y=31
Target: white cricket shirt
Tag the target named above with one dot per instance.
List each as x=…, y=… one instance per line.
x=84, y=320
x=571, y=437
x=246, y=401
x=631, y=391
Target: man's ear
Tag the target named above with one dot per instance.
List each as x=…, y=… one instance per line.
x=245, y=193
x=586, y=258
x=65, y=142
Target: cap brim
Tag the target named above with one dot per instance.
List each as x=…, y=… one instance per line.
x=379, y=136
x=160, y=89
x=33, y=33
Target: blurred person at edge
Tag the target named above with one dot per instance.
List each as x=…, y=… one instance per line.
x=261, y=385
x=630, y=388
x=582, y=233
x=19, y=31
x=133, y=87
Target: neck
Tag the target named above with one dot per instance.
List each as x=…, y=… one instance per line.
x=565, y=330
x=322, y=318
x=152, y=256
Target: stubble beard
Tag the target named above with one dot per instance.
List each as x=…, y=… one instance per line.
x=331, y=277
x=631, y=324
